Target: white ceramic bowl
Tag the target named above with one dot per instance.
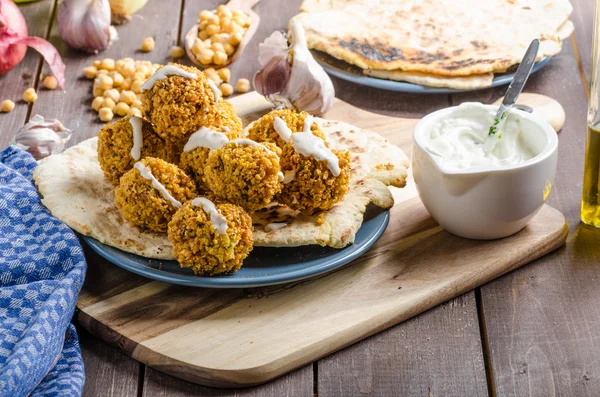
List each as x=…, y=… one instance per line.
x=486, y=203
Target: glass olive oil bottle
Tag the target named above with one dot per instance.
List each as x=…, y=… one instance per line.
x=590, y=203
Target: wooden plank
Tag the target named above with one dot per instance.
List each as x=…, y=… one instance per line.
x=72, y=106
x=435, y=354
x=583, y=18
x=296, y=384
x=538, y=318
x=12, y=84
x=108, y=371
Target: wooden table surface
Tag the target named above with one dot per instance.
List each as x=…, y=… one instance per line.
x=532, y=332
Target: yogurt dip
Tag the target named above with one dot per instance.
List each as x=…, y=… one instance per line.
x=458, y=141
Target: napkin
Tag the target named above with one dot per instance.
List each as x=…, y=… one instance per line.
x=42, y=268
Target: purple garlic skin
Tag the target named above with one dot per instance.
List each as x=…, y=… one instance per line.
x=42, y=137
x=290, y=76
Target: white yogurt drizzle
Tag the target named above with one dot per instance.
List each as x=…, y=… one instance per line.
x=308, y=145
x=282, y=129
x=206, y=138
x=274, y=226
x=146, y=174
x=165, y=72
x=136, y=125
x=218, y=220
x=281, y=176
x=215, y=89
x=289, y=176
x=249, y=142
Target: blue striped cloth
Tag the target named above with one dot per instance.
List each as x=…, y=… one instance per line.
x=42, y=267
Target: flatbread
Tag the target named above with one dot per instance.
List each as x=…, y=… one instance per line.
x=449, y=38
x=459, y=82
x=75, y=191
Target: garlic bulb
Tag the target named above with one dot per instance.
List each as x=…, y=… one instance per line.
x=122, y=10
x=290, y=76
x=42, y=137
x=85, y=24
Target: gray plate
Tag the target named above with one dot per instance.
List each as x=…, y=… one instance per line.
x=345, y=71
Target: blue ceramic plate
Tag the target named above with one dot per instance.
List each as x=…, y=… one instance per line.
x=264, y=266
x=353, y=74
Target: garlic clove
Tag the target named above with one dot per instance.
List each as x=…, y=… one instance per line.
x=290, y=76
x=85, y=24
x=122, y=10
x=42, y=137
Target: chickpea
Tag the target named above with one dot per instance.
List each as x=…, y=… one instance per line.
x=29, y=95
x=139, y=76
x=224, y=11
x=220, y=58
x=121, y=109
x=243, y=85
x=202, y=25
x=177, y=52
x=214, y=77
x=90, y=72
x=134, y=112
x=235, y=39
x=97, y=64
x=105, y=82
x=147, y=44
x=210, y=70
x=225, y=21
x=198, y=46
x=144, y=71
x=214, y=20
x=136, y=104
x=212, y=30
x=97, y=103
x=226, y=89
x=204, y=15
x=97, y=91
x=117, y=78
x=50, y=82
x=225, y=74
x=229, y=50
x=107, y=64
x=136, y=86
x=126, y=84
x=217, y=47
x=228, y=27
x=106, y=114
x=128, y=69
x=7, y=106
x=206, y=56
x=112, y=94
x=127, y=97
x=108, y=103
x=127, y=60
x=222, y=38
x=203, y=35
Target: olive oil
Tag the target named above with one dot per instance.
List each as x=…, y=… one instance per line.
x=590, y=202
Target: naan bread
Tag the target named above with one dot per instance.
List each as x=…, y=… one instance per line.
x=449, y=38
x=75, y=191
x=459, y=82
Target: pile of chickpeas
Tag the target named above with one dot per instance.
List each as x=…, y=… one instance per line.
x=219, y=34
x=117, y=86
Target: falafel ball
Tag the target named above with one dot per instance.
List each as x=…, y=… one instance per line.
x=142, y=200
x=194, y=161
x=309, y=185
x=115, y=144
x=263, y=129
x=179, y=105
x=244, y=173
x=198, y=244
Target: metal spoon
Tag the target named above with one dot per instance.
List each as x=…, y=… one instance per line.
x=512, y=93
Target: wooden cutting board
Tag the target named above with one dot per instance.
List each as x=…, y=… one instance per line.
x=244, y=337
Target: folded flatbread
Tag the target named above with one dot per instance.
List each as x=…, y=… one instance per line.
x=75, y=191
x=447, y=38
